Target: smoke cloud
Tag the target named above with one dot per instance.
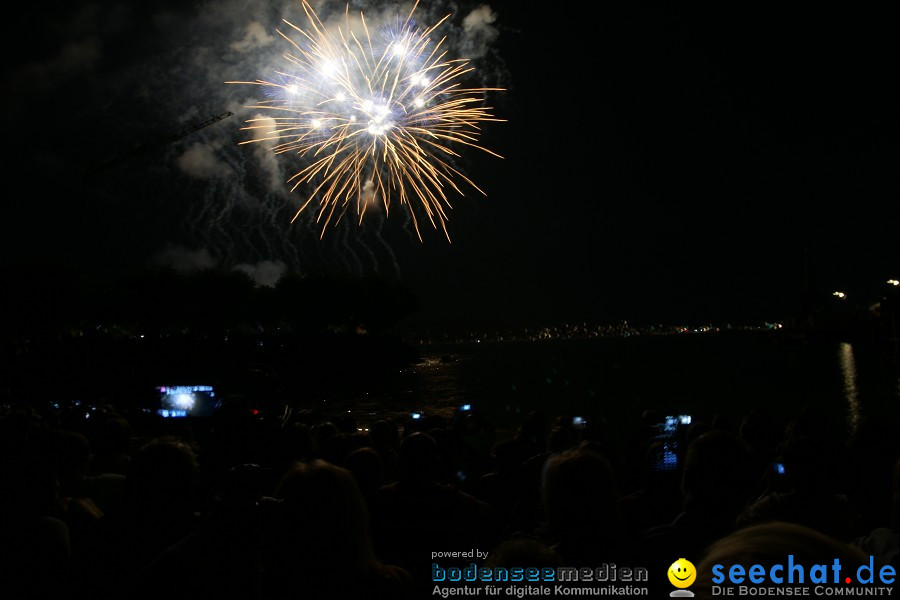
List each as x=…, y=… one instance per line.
x=265, y=273
x=200, y=161
x=256, y=37
x=223, y=204
x=184, y=260
x=479, y=32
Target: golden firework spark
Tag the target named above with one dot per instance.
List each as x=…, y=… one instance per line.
x=375, y=118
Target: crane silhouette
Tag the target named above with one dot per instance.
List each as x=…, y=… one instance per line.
x=91, y=174
x=154, y=144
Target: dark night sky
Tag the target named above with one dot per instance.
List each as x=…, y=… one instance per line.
x=661, y=162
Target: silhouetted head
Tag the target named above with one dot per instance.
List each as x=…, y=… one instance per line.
x=717, y=472
x=367, y=468
x=15, y=428
x=811, y=422
x=28, y=488
x=243, y=484
x=418, y=458
x=579, y=494
x=295, y=442
x=384, y=435
x=560, y=439
x=649, y=419
x=695, y=430
x=811, y=463
x=70, y=453
x=723, y=423
x=347, y=424
x=533, y=429
x=760, y=431
x=323, y=434
x=520, y=551
x=769, y=544
x=325, y=523
x=164, y=478
x=112, y=435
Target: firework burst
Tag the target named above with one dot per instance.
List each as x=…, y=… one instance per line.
x=376, y=115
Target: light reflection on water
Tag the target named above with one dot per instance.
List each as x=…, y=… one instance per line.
x=851, y=392
x=613, y=380
x=432, y=386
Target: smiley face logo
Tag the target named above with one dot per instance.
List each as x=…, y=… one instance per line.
x=682, y=573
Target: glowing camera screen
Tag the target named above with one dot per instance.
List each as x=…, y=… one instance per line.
x=178, y=401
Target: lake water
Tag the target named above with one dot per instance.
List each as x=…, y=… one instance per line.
x=609, y=380
x=614, y=379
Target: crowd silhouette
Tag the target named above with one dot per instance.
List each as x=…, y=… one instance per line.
x=305, y=505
